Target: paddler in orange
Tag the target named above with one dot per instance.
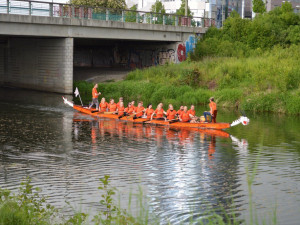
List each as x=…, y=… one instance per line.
x=159, y=112
x=185, y=116
x=120, y=109
x=132, y=106
x=149, y=111
x=213, y=111
x=103, y=105
x=95, y=95
x=112, y=106
x=171, y=113
x=192, y=111
x=139, y=110
x=120, y=100
x=127, y=110
x=180, y=111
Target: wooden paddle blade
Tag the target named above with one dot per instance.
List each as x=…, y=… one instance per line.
x=131, y=116
x=108, y=113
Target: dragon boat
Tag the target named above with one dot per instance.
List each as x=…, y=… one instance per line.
x=175, y=124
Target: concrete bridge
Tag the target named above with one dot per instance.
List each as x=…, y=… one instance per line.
x=40, y=42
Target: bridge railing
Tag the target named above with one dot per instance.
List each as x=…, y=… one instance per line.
x=52, y=9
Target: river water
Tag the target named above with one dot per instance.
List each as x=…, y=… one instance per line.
x=181, y=172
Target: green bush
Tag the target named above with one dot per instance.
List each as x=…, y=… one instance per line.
x=239, y=37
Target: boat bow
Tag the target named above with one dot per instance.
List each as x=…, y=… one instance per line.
x=243, y=120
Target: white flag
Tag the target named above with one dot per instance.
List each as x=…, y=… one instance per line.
x=76, y=92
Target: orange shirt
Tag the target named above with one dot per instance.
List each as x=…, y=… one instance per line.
x=149, y=112
x=159, y=113
x=103, y=106
x=133, y=108
x=213, y=106
x=179, y=112
x=118, y=104
x=139, y=111
x=171, y=114
x=128, y=110
x=192, y=112
x=95, y=93
x=112, y=107
x=185, y=116
x=120, y=111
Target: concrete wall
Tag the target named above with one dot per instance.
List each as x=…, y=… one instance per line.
x=39, y=64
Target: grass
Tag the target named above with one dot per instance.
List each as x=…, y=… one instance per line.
x=264, y=82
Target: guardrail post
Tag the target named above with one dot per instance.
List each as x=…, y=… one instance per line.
x=123, y=16
x=164, y=19
x=30, y=5
x=136, y=17
x=51, y=9
x=70, y=11
x=7, y=3
x=60, y=10
x=151, y=16
x=176, y=21
x=73, y=11
x=107, y=15
x=90, y=13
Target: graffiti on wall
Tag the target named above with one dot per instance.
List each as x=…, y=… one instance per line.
x=183, y=49
x=130, y=56
x=167, y=56
x=190, y=45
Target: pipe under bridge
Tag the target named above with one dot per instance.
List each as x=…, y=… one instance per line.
x=41, y=42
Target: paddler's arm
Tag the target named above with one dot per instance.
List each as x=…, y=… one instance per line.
x=152, y=116
x=179, y=117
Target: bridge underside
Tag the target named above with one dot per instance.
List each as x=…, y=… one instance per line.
x=47, y=64
x=123, y=54
x=40, y=52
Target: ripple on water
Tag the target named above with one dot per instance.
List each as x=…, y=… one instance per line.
x=180, y=171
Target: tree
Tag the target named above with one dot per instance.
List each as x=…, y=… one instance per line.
x=259, y=6
x=130, y=15
x=112, y=4
x=158, y=9
x=181, y=10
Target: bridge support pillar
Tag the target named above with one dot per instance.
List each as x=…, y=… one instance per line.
x=39, y=64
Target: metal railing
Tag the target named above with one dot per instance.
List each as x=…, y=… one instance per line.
x=51, y=9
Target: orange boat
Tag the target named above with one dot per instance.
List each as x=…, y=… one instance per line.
x=202, y=125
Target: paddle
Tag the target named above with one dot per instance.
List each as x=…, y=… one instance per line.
x=173, y=120
x=131, y=116
x=107, y=113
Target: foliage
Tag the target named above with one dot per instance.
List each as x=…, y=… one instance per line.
x=158, y=9
x=253, y=83
x=27, y=207
x=258, y=6
x=241, y=37
x=181, y=10
x=112, y=214
x=131, y=16
x=112, y=4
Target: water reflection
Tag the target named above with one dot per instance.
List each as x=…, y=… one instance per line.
x=183, y=170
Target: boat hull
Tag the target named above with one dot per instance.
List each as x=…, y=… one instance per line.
x=93, y=112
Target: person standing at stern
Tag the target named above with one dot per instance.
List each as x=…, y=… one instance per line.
x=95, y=95
x=213, y=111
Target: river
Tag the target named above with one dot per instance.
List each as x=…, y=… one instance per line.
x=181, y=172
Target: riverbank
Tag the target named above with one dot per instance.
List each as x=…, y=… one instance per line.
x=266, y=82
